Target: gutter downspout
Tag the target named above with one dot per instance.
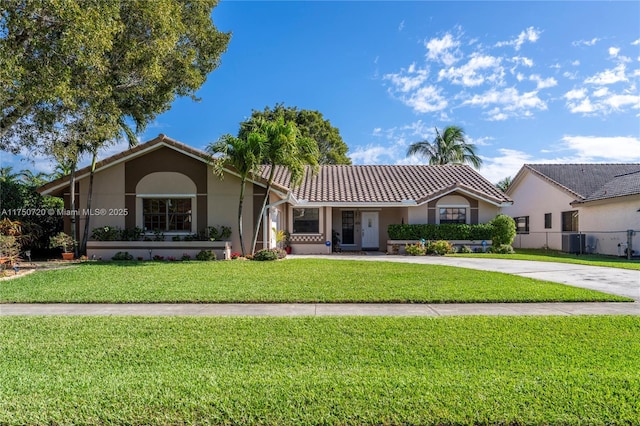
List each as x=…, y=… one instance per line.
x=265, y=218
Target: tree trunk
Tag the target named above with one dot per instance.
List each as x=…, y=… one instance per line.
x=72, y=205
x=264, y=205
x=85, y=234
x=10, y=119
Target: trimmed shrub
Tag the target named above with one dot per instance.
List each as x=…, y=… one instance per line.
x=122, y=256
x=266, y=254
x=206, y=255
x=465, y=249
x=504, y=230
x=445, y=231
x=501, y=249
x=416, y=249
x=439, y=247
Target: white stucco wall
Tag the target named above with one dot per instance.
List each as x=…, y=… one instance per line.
x=605, y=224
x=533, y=196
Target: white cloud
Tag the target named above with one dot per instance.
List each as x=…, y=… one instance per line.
x=426, y=99
x=443, y=49
x=618, y=101
x=636, y=42
x=507, y=163
x=508, y=103
x=615, y=75
x=373, y=154
x=597, y=148
x=521, y=60
x=529, y=35
x=401, y=26
x=405, y=82
x=613, y=51
x=586, y=42
x=575, y=63
x=470, y=74
x=584, y=106
x=604, y=91
x=543, y=83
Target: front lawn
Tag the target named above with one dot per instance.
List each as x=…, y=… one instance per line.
x=291, y=371
x=560, y=257
x=296, y=280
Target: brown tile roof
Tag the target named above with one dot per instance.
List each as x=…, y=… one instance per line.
x=389, y=184
x=343, y=184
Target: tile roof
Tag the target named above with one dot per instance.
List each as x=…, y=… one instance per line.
x=389, y=184
x=589, y=182
x=343, y=183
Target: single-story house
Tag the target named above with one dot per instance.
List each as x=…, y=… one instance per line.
x=583, y=208
x=169, y=186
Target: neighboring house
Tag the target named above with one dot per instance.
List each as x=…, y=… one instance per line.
x=599, y=201
x=166, y=185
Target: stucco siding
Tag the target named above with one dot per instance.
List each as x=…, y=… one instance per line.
x=107, y=200
x=534, y=197
x=605, y=224
x=222, y=207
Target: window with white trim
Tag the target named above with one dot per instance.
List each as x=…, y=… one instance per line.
x=167, y=214
x=522, y=224
x=453, y=215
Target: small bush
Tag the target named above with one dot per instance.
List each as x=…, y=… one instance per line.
x=266, y=254
x=465, y=249
x=106, y=233
x=158, y=257
x=439, y=247
x=235, y=255
x=416, y=249
x=185, y=256
x=504, y=230
x=501, y=249
x=122, y=256
x=206, y=255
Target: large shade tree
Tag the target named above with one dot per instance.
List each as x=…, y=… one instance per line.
x=448, y=147
x=311, y=125
x=131, y=57
x=96, y=67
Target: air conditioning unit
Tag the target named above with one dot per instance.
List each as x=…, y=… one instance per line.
x=573, y=243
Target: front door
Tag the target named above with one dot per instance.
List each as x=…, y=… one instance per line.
x=370, y=234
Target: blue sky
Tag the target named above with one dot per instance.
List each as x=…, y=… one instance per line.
x=530, y=82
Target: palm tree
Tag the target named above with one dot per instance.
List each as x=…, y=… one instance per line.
x=504, y=184
x=7, y=176
x=283, y=147
x=34, y=179
x=450, y=147
x=245, y=156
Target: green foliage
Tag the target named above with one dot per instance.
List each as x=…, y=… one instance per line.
x=106, y=233
x=417, y=249
x=63, y=241
x=9, y=250
x=449, y=147
x=465, y=249
x=97, y=62
x=131, y=234
x=501, y=249
x=267, y=254
x=122, y=256
x=206, y=255
x=312, y=125
x=296, y=280
x=440, y=247
x=504, y=230
x=445, y=231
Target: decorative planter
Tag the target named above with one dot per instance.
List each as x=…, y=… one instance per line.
x=105, y=250
x=67, y=256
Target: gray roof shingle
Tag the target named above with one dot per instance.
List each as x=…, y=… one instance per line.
x=589, y=182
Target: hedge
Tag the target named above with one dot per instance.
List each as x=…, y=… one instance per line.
x=445, y=231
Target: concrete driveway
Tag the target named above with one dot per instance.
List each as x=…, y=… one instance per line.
x=622, y=282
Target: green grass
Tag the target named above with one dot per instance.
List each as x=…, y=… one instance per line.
x=284, y=371
x=560, y=257
x=297, y=280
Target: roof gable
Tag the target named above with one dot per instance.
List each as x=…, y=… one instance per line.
x=581, y=180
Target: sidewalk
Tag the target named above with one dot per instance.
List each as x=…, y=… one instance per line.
x=320, y=309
